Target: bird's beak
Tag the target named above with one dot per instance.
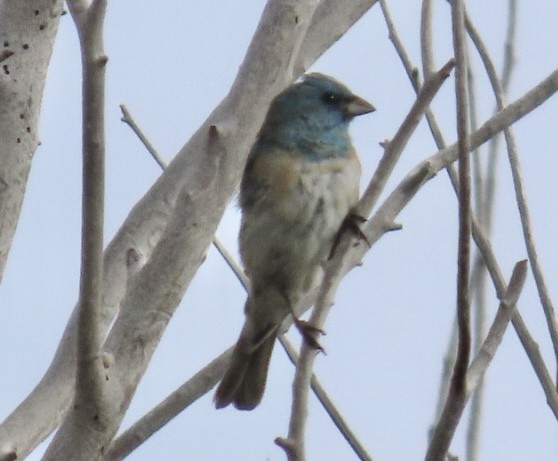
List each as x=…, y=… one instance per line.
x=357, y=106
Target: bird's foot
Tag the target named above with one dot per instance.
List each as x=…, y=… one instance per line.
x=309, y=334
x=352, y=224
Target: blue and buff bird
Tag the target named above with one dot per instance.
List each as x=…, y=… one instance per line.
x=300, y=184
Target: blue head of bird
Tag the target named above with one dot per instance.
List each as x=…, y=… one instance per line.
x=313, y=116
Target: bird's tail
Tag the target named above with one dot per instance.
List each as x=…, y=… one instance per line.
x=244, y=381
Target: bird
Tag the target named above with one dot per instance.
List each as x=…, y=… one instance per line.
x=300, y=184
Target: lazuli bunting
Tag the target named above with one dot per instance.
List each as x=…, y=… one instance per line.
x=301, y=181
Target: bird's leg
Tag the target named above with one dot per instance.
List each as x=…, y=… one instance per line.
x=351, y=223
x=309, y=333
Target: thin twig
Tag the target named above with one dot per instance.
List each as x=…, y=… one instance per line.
x=394, y=148
x=294, y=445
x=329, y=406
x=170, y=407
x=509, y=61
x=537, y=361
x=478, y=276
x=383, y=218
x=478, y=282
x=412, y=71
x=128, y=119
x=456, y=399
x=485, y=188
x=494, y=337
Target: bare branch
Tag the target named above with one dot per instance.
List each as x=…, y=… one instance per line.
x=488, y=349
x=27, y=41
x=90, y=405
x=456, y=399
x=127, y=118
x=485, y=187
x=330, y=21
x=464, y=247
x=176, y=402
x=509, y=61
x=329, y=406
x=412, y=71
x=509, y=46
x=294, y=445
x=537, y=361
x=425, y=170
x=159, y=286
x=529, y=344
x=89, y=374
x=426, y=48
x=394, y=148
x=478, y=280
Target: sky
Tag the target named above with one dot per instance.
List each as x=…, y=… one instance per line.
x=171, y=63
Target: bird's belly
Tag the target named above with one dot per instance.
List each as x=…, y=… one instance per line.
x=284, y=244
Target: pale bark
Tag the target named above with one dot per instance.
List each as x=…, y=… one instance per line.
x=27, y=31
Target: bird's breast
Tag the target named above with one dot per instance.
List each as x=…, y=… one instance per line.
x=289, y=230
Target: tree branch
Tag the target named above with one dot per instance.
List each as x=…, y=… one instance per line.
x=128, y=119
x=425, y=170
x=27, y=41
x=330, y=21
x=426, y=49
x=176, y=402
x=90, y=405
x=329, y=406
x=485, y=192
x=494, y=337
x=456, y=399
x=394, y=148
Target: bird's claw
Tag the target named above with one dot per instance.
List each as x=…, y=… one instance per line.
x=309, y=333
x=351, y=223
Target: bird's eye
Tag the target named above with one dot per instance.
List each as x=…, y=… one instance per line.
x=330, y=98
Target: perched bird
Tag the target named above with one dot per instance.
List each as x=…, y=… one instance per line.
x=300, y=183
